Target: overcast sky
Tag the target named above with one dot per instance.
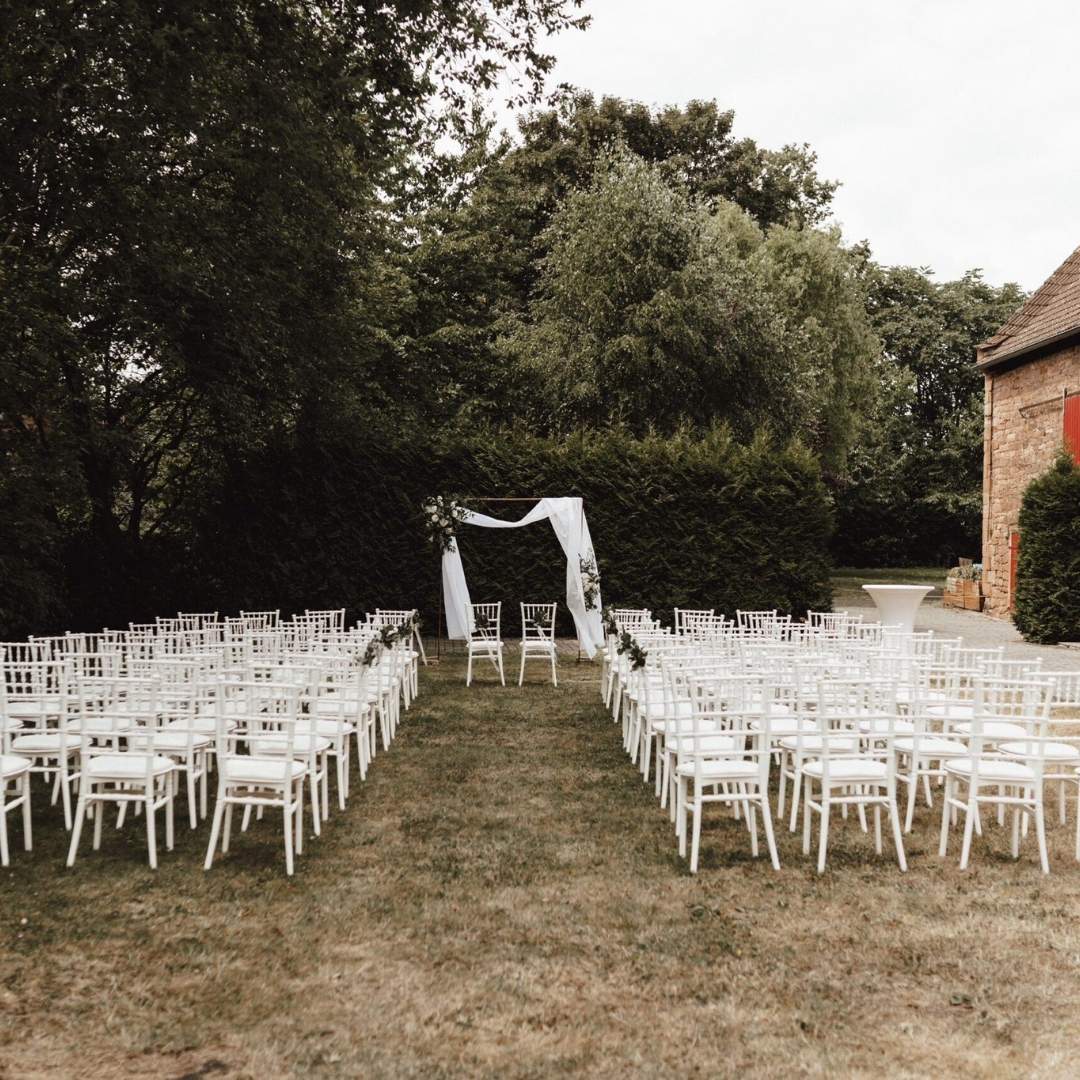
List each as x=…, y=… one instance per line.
x=953, y=125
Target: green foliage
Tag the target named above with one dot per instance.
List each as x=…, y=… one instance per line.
x=653, y=310
x=912, y=494
x=684, y=521
x=1047, y=607
x=196, y=209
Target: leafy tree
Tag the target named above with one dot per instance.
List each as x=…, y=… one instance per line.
x=654, y=310
x=1048, y=571
x=914, y=491
x=194, y=204
x=480, y=246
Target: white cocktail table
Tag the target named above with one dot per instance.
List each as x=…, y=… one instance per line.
x=897, y=604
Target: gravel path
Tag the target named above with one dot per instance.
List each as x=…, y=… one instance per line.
x=980, y=630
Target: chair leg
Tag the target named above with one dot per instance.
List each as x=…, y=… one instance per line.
x=1040, y=832
x=171, y=787
x=898, y=839
x=770, y=839
x=151, y=829
x=4, y=855
x=298, y=802
x=521, y=674
x=554, y=675
x=823, y=837
x=288, y=811
x=468, y=670
x=695, y=839
x=502, y=676
x=76, y=832
x=806, y=816
x=215, y=828
x=946, y=815
x=912, y=788
x=28, y=844
x=192, y=799
x=65, y=791
x=969, y=824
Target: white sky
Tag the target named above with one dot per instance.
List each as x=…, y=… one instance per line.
x=953, y=125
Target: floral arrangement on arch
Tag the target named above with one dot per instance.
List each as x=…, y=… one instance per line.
x=590, y=581
x=441, y=516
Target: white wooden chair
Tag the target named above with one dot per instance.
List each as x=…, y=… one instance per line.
x=538, y=637
x=35, y=703
x=14, y=791
x=723, y=759
x=132, y=775
x=485, y=638
x=263, y=715
x=852, y=767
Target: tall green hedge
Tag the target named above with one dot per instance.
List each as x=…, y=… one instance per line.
x=682, y=521
x=1047, y=605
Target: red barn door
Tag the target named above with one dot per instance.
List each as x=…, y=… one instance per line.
x=1071, y=424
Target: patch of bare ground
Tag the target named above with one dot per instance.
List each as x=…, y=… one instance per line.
x=503, y=898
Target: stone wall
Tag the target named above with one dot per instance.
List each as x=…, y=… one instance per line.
x=1022, y=434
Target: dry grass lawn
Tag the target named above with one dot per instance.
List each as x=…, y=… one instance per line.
x=503, y=898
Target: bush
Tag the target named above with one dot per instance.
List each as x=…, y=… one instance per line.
x=1048, y=573
x=682, y=521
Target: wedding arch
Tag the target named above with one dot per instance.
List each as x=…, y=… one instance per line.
x=567, y=517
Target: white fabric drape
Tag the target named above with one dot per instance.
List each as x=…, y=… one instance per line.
x=567, y=518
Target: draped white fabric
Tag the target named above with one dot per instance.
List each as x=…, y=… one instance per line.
x=567, y=518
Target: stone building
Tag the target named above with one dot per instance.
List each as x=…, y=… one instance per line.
x=1032, y=372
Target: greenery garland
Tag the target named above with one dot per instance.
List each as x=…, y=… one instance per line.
x=590, y=581
x=629, y=647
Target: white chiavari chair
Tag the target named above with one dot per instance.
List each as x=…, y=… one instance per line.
x=538, y=637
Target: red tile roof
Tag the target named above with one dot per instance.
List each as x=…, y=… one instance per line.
x=1051, y=314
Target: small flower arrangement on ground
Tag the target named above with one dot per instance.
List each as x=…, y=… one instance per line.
x=441, y=516
x=590, y=581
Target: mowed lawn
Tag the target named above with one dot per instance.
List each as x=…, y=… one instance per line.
x=503, y=898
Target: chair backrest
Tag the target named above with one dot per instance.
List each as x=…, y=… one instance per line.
x=486, y=622
x=260, y=620
x=34, y=692
x=538, y=622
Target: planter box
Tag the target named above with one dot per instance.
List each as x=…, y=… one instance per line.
x=963, y=594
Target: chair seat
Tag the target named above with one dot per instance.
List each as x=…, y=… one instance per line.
x=484, y=646
x=812, y=744
x=720, y=769
x=257, y=770
x=883, y=726
x=1051, y=751
x=11, y=766
x=207, y=724
x=994, y=770
x=785, y=725
x=700, y=744
x=996, y=729
x=932, y=747
x=683, y=725
x=850, y=770
x=301, y=745
x=48, y=705
x=957, y=710
x=660, y=712
x=334, y=704
x=328, y=729
x=537, y=645
x=44, y=742
x=127, y=766
x=172, y=742
x=907, y=694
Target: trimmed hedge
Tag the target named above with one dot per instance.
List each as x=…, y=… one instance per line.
x=677, y=522
x=1047, y=606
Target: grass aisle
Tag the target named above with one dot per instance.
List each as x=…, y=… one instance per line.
x=502, y=897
